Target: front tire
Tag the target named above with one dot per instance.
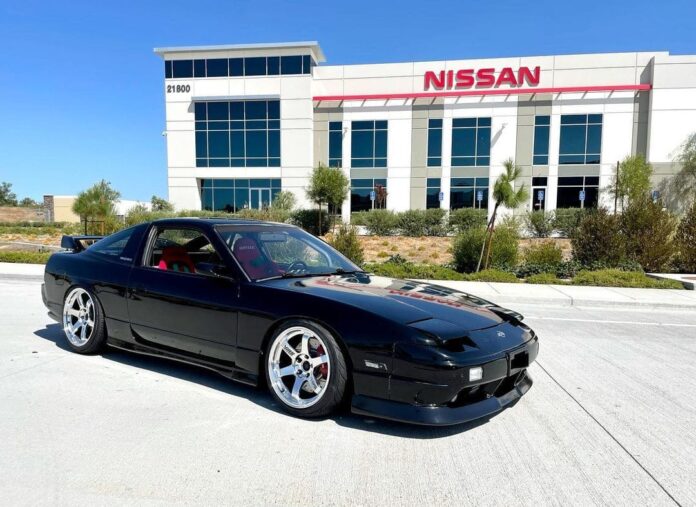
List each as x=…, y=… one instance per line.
x=83, y=321
x=305, y=369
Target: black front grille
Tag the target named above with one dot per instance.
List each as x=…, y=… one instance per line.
x=497, y=388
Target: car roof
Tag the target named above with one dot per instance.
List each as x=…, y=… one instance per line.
x=214, y=221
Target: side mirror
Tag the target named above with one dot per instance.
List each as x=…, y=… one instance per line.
x=214, y=271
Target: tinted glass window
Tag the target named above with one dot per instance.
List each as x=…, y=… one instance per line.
x=238, y=134
x=541, y=140
x=471, y=142
x=114, y=245
x=469, y=193
x=306, y=64
x=236, y=67
x=199, y=68
x=434, y=143
x=291, y=65
x=335, y=144
x=182, y=68
x=432, y=193
x=233, y=194
x=168, y=69
x=369, y=144
x=581, y=139
x=360, y=190
x=217, y=67
x=255, y=66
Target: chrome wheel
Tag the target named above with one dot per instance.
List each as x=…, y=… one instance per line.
x=299, y=368
x=78, y=317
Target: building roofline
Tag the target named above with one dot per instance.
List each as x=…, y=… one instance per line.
x=318, y=54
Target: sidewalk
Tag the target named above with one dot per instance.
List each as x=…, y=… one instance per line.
x=574, y=295
x=504, y=293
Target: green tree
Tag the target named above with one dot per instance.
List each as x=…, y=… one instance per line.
x=679, y=191
x=161, y=204
x=504, y=194
x=327, y=185
x=97, y=203
x=7, y=196
x=632, y=181
x=284, y=201
x=28, y=202
x=686, y=241
x=648, y=230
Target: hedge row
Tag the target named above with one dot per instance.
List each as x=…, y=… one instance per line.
x=416, y=223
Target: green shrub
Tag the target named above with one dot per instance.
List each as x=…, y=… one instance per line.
x=618, y=278
x=421, y=222
x=24, y=257
x=308, y=219
x=359, y=217
x=544, y=252
x=413, y=271
x=493, y=275
x=345, y=240
x=598, y=238
x=381, y=222
x=466, y=248
x=467, y=218
x=269, y=214
x=648, y=231
x=566, y=221
x=540, y=224
x=685, y=241
x=545, y=279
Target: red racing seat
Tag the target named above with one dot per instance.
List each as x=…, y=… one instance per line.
x=176, y=258
x=247, y=253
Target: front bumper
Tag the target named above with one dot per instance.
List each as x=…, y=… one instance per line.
x=442, y=415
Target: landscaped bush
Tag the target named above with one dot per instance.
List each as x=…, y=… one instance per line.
x=545, y=279
x=566, y=221
x=598, y=238
x=466, y=248
x=381, y=222
x=24, y=257
x=345, y=240
x=685, y=241
x=648, y=232
x=413, y=271
x=540, y=224
x=544, y=252
x=359, y=217
x=493, y=275
x=618, y=278
x=308, y=219
x=467, y=218
x=421, y=222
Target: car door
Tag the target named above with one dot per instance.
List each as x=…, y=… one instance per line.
x=172, y=304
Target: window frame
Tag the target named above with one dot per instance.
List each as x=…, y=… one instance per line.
x=374, y=158
x=591, y=121
x=543, y=157
x=436, y=159
x=481, y=123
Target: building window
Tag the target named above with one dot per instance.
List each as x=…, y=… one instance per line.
x=471, y=142
x=360, y=190
x=238, y=134
x=335, y=144
x=541, y=140
x=469, y=193
x=232, y=195
x=572, y=189
x=434, y=143
x=432, y=193
x=237, y=67
x=581, y=139
x=369, y=143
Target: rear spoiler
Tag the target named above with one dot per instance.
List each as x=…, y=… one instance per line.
x=78, y=243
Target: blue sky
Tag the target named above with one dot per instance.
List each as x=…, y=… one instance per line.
x=82, y=91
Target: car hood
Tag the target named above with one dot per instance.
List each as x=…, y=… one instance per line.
x=404, y=301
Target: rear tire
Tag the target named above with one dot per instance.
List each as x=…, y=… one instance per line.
x=83, y=321
x=305, y=369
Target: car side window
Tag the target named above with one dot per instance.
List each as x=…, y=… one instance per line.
x=114, y=245
x=285, y=253
x=183, y=250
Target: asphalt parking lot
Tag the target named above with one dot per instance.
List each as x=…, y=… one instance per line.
x=609, y=420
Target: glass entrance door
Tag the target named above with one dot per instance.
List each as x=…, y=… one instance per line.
x=260, y=198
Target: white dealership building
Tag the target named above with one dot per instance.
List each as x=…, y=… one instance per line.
x=246, y=121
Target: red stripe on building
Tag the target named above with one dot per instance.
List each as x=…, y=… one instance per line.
x=496, y=91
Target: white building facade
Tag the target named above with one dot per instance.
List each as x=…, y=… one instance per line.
x=245, y=121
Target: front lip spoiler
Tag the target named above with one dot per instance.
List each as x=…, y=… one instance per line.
x=439, y=415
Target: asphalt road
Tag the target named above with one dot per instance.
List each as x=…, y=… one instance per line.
x=609, y=420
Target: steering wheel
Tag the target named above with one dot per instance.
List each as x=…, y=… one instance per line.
x=296, y=266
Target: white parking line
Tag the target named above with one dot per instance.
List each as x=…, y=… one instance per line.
x=622, y=322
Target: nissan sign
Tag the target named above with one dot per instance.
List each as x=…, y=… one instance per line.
x=481, y=78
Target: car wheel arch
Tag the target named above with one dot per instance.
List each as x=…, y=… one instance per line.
x=339, y=340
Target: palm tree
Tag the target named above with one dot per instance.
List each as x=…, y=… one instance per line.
x=504, y=193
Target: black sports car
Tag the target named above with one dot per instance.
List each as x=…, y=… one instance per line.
x=264, y=302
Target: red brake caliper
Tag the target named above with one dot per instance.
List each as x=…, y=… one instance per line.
x=324, y=368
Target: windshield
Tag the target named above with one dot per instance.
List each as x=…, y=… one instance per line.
x=265, y=252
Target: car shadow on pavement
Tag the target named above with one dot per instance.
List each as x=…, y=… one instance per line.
x=213, y=380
